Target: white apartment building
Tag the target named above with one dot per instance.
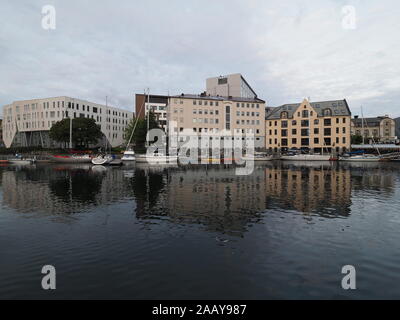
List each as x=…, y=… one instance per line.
x=27, y=122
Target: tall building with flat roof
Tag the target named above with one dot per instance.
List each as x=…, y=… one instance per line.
x=28, y=122
x=232, y=85
x=212, y=115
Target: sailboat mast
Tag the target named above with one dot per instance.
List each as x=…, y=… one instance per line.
x=148, y=113
x=362, y=126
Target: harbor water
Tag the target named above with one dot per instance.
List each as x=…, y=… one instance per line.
x=200, y=232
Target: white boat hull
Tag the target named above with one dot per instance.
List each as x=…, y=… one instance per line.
x=20, y=162
x=102, y=160
x=156, y=159
x=307, y=157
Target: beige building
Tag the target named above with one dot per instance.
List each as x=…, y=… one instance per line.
x=27, y=122
x=1, y=133
x=379, y=129
x=215, y=115
x=317, y=126
x=232, y=85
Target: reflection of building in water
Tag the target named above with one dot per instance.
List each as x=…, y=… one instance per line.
x=216, y=198
x=61, y=189
x=309, y=189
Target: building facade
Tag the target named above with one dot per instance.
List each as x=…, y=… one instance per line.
x=157, y=104
x=27, y=122
x=214, y=116
x=379, y=129
x=1, y=134
x=233, y=85
x=317, y=127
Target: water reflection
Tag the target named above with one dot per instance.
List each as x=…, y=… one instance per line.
x=212, y=196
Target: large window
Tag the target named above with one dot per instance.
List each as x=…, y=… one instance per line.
x=305, y=114
x=305, y=142
x=305, y=132
x=327, y=122
x=305, y=123
x=327, y=131
x=227, y=117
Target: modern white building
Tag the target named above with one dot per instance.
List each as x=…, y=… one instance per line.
x=27, y=122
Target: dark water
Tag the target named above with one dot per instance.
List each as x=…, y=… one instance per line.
x=178, y=233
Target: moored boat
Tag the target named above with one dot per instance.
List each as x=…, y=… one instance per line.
x=129, y=155
x=103, y=159
x=72, y=158
x=307, y=157
x=362, y=158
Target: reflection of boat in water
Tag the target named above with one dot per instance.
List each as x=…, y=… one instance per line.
x=72, y=159
x=307, y=157
x=103, y=159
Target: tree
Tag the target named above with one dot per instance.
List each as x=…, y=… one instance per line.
x=356, y=139
x=85, y=131
x=139, y=135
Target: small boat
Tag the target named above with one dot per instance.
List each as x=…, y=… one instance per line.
x=103, y=159
x=21, y=162
x=362, y=158
x=72, y=159
x=157, y=158
x=129, y=155
x=307, y=157
x=258, y=157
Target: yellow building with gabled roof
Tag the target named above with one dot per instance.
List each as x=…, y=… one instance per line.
x=312, y=126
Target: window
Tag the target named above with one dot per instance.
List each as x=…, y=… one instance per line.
x=327, y=131
x=284, y=115
x=316, y=130
x=284, y=132
x=305, y=142
x=305, y=132
x=284, y=124
x=305, y=123
x=316, y=140
x=316, y=121
x=294, y=131
x=284, y=142
x=327, y=122
x=294, y=122
x=327, y=112
x=294, y=141
x=194, y=102
x=305, y=114
x=327, y=141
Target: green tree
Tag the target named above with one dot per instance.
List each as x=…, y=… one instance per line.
x=356, y=139
x=85, y=131
x=139, y=135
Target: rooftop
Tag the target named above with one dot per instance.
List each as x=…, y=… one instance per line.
x=217, y=98
x=338, y=107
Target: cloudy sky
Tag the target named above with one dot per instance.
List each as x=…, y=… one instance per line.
x=287, y=50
